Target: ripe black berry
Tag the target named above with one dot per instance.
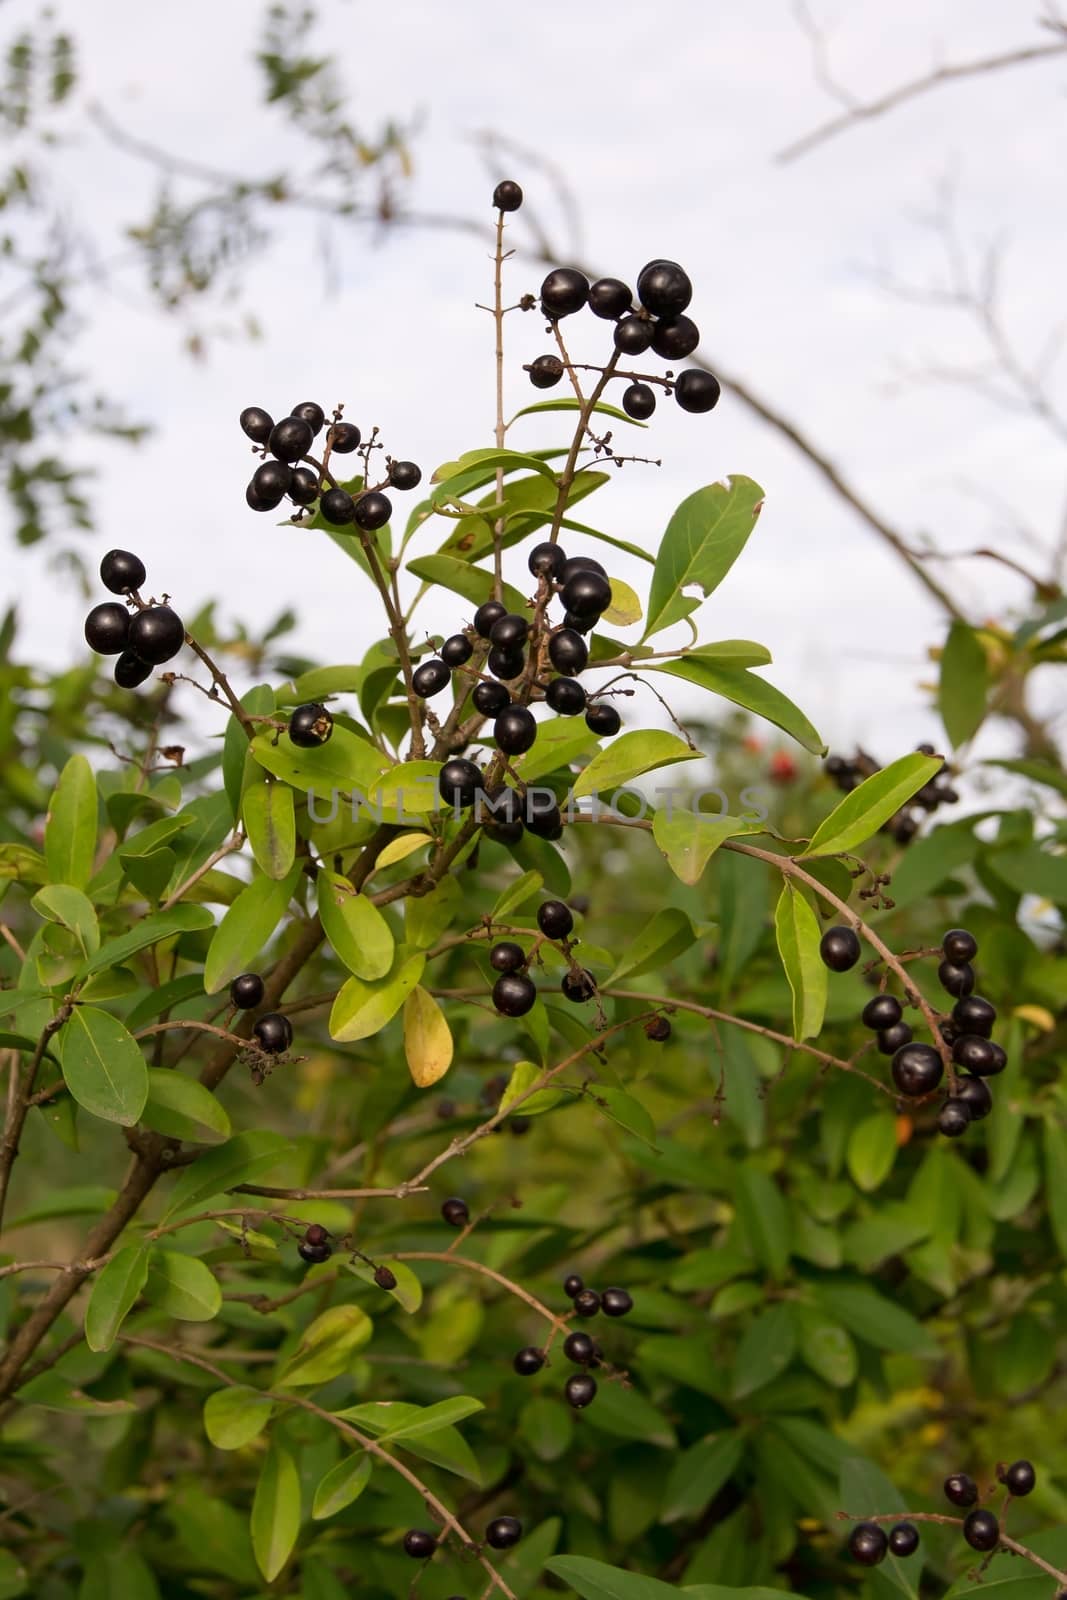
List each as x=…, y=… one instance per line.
x=976, y=1096
x=503, y=1532
x=882, y=1011
x=610, y=298
x=1019, y=1478
x=130, y=670
x=257, y=501
x=156, y=634
x=459, y=782
x=273, y=1033
x=555, y=919
x=575, y=564
x=344, y=437
x=337, y=507
x=657, y=1029
x=303, y=486
x=580, y=1390
x=840, y=948
x=633, y=335
x=587, y=594
x=587, y=1302
x=507, y=665
x=546, y=372
x=486, y=615
x=616, y=1302
x=546, y=560
x=509, y=631
x=513, y=994
x=315, y=1233
x=981, y=1530
x=904, y=1539
x=867, y=1544
x=430, y=678
x=507, y=956
x=568, y=652
x=676, y=338
x=572, y=1285
x=638, y=401
x=490, y=698
x=313, y=1254
x=578, y=986
x=696, y=390
x=311, y=413
x=454, y=1210
x=563, y=292
x=579, y=624
x=603, y=720
x=959, y=945
x=373, y=510
x=977, y=1055
x=543, y=817
x=664, y=288
x=107, y=628
x=385, y=1277
x=290, y=439
x=419, y=1545
x=456, y=650
x=579, y=1348
x=310, y=725
x=975, y=1015
x=507, y=196
x=405, y=474
x=889, y=1040
x=246, y=992
x=961, y=1489
x=566, y=697
x=257, y=423
x=515, y=730
x=917, y=1069
x=528, y=1361
x=956, y=978
x=954, y=1118
x=121, y=571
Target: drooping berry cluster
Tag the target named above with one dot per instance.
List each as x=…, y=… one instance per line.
x=848, y=772
x=143, y=637
x=869, y=1543
x=581, y=1348
x=514, y=992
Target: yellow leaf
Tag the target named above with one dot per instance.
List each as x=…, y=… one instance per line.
x=1037, y=1016
x=625, y=607
x=427, y=1038
x=398, y=848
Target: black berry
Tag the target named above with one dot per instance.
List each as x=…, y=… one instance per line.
x=290, y=439
x=867, y=1544
x=889, y=1040
x=568, y=652
x=257, y=423
x=310, y=725
x=563, y=292
x=976, y=1096
x=580, y=1390
x=546, y=372
x=973, y=1014
x=572, y=1285
x=676, y=338
x=507, y=665
x=543, y=817
x=528, y=1361
x=610, y=298
x=373, y=510
x=509, y=631
x=107, y=628
x=587, y=1302
x=954, y=1118
x=246, y=992
x=486, y=615
x=638, y=401
x=156, y=634
x=658, y=1029
x=313, y=1254
x=405, y=474
x=575, y=564
x=664, y=288
x=273, y=1033
x=882, y=1011
x=385, y=1277
x=513, y=994
x=981, y=1530
x=130, y=670
x=515, y=730
x=1019, y=1478
x=419, y=1545
x=603, y=720
x=578, y=986
x=454, y=1210
x=303, y=486
x=546, y=560
x=459, y=782
x=566, y=697
x=456, y=650
x=507, y=956
x=555, y=919
x=316, y=1233
x=430, y=678
x=633, y=335
x=976, y=1055
x=696, y=390
x=507, y=196
x=917, y=1069
x=121, y=571
x=959, y=945
x=337, y=507
x=503, y=1532
x=840, y=948
x=344, y=437
x=616, y=1302
x=587, y=594
x=579, y=1348
x=961, y=1489
x=956, y=979
x=490, y=698
x=311, y=413
x=904, y=1539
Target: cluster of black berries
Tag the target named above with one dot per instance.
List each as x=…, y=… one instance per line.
x=848, y=772
x=288, y=442
x=503, y=1533
x=142, y=639
x=273, y=1032
x=514, y=992
x=869, y=1543
x=585, y=1352
x=656, y=323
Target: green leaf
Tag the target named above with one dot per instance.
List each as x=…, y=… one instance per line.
x=446, y=1447
x=103, y=1066
x=572, y=403
x=342, y=1484
x=872, y=1149
x=183, y=1108
x=363, y=1009
x=475, y=584
x=523, y=1075
x=239, y=1160
x=1032, y=871
x=629, y=756
x=766, y=1349
x=595, y=1580
x=560, y=742
x=444, y=1414
x=70, y=826
x=689, y=839
x=626, y=1111
x=797, y=930
x=182, y=1286
x=79, y=1200
x=150, y=930
x=762, y=1210
x=963, y=684
x=666, y=936
x=826, y=1348
x=234, y=1417
x=246, y=928
x=523, y=888
x=61, y=903
x=275, y=1521
x=874, y=1319
x=703, y=540
x=1055, y=1152
x=427, y=916
x=270, y=824
x=326, y=1347
x=345, y=763
x=860, y=814
x=114, y=1292
x=699, y=1473
x=361, y=937
x=408, y=1290
x=407, y=791
x=749, y=690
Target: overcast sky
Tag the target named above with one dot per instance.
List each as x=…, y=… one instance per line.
x=666, y=124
